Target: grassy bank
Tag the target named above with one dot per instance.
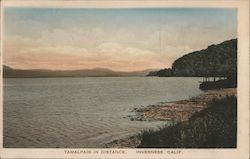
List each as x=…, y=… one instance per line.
x=213, y=127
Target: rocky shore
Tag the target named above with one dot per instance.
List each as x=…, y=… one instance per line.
x=173, y=111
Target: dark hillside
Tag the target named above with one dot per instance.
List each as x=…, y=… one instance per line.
x=217, y=60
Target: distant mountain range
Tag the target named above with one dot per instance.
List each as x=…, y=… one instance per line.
x=216, y=60
x=9, y=72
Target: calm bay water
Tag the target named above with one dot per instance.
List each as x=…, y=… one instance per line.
x=83, y=112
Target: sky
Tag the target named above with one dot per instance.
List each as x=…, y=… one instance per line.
x=125, y=39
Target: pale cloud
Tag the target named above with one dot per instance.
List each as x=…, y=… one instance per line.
x=35, y=54
x=129, y=58
x=79, y=41
x=78, y=49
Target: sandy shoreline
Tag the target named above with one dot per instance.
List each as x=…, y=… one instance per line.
x=173, y=111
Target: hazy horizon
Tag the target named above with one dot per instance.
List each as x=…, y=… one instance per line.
x=117, y=39
x=96, y=68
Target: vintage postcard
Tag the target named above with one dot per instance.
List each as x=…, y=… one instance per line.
x=125, y=79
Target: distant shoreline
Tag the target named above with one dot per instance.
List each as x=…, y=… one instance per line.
x=9, y=72
x=178, y=111
x=99, y=76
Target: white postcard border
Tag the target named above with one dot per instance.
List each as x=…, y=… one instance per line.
x=242, y=150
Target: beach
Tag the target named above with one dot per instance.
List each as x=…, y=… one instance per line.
x=178, y=111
